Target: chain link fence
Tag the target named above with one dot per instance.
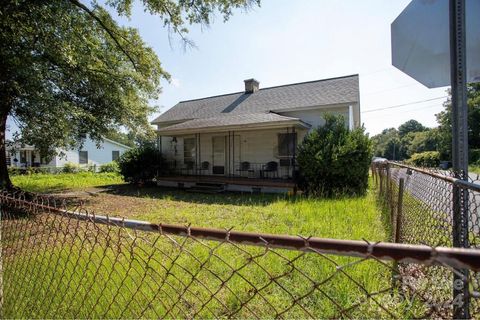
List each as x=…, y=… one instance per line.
x=58, y=263
x=419, y=207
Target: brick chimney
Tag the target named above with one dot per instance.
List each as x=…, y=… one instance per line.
x=251, y=85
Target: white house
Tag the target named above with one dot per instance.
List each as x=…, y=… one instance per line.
x=88, y=155
x=247, y=140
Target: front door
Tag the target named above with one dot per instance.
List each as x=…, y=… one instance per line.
x=219, y=160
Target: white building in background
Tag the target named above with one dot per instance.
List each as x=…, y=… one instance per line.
x=89, y=155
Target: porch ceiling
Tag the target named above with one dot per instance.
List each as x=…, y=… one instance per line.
x=234, y=122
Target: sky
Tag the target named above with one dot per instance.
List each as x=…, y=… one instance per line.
x=287, y=41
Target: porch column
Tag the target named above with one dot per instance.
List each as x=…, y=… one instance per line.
x=294, y=145
x=232, y=171
x=199, y=150
x=228, y=156
x=159, y=142
x=350, y=117
x=197, y=153
x=294, y=156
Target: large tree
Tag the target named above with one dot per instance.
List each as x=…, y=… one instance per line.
x=68, y=69
x=388, y=144
x=444, y=120
x=411, y=126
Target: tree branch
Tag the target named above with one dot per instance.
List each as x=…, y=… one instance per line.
x=110, y=32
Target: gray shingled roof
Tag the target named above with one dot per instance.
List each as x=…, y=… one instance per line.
x=305, y=94
x=231, y=120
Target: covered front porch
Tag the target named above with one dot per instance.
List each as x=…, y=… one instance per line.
x=264, y=155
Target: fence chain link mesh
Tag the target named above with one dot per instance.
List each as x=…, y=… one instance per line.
x=426, y=217
x=59, y=263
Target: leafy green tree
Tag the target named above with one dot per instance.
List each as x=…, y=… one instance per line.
x=423, y=141
x=68, y=69
x=410, y=126
x=121, y=137
x=388, y=144
x=444, y=120
x=396, y=144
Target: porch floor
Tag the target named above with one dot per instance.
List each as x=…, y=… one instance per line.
x=278, y=183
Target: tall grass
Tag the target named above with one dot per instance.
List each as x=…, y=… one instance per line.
x=80, y=271
x=474, y=168
x=45, y=182
x=75, y=271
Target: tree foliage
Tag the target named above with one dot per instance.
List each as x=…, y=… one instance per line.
x=411, y=137
x=409, y=127
x=68, y=69
x=334, y=160
x=388, y=145
x=422, y=141
x=444, y=120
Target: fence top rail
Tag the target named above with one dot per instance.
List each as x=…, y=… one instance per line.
x=451, y=257
x=458, y=182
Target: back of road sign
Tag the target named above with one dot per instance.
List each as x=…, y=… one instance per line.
x=421, y=41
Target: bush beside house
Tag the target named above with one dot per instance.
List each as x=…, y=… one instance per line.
x=142, y=164
x=334, y=160
x=110, y=167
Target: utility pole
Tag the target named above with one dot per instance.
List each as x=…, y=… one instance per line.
x=460, y=150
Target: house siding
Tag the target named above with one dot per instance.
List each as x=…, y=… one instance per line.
x=96, y=156
x=316, y=117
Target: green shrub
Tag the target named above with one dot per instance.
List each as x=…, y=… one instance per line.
x=334, y=160
x=110, y=167
x=13, y=171
x=71, y=168
x=474, y=156
x=141, y=164
x=425, y=159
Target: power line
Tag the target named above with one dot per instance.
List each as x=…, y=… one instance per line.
x=420, y=108
x=387, y=90
x=403, y=105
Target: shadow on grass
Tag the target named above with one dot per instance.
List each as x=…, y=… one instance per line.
x=227, y=198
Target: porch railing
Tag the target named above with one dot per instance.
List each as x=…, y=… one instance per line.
x=244, y=169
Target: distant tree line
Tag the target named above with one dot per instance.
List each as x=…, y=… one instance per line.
x=412, y=138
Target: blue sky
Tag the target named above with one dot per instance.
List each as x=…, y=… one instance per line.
x=287, y=41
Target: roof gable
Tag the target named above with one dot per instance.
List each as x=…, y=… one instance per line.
x=306, y=94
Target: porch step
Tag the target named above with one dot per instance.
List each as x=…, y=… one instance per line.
x=205, y=187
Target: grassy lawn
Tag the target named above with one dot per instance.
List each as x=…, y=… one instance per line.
x=78, y=268
x=474, y=169
x=348, y=217
x=64, y=181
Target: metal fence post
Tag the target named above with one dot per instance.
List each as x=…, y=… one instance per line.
x=398, y=223
x=380, y=175
x=387, y=181
x=459, y=149
x=397, y=230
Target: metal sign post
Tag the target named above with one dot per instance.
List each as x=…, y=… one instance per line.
x=459, y=150
x=421, y=49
